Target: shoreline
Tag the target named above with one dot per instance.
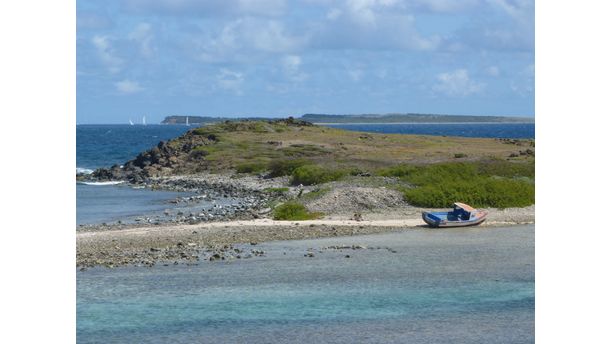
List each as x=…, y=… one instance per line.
x=238, y=239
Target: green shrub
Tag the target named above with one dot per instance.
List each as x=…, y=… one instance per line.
x=508, y=169
x=460, y=155
x=312, y=174
x=280, y=168
x=483, y=192
x=251, y=167
x=494, y=183
x=295, y=212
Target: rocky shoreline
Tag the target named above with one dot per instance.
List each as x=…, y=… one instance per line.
x=218, y=197
x=231, y=232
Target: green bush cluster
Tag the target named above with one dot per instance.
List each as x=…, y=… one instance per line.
x=494, y=183
x=483, y=192
x=313, y=174
x=294, y=211
x=279, y=168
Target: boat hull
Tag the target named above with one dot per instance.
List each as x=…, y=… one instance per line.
x=432, y=222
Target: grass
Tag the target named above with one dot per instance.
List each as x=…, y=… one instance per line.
x=315, y=193
x=252, y=167
x=285, y=167
x=293, y=211
x=494, y=183
x=313, y=174
x=286, y=145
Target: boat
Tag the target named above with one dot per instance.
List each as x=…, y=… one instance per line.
x=187, y=120
x=144, y=121
x=131, y=123
x=462, y=215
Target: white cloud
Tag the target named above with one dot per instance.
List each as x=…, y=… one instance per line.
x=457, y=84
x=106, y=53
x=143, y=35
x=128, y=87
x=230, y=80
x=373, y=25
x=365, y=12
x=291, y=67
x=243, y=38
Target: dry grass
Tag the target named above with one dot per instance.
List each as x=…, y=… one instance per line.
x=243, y=142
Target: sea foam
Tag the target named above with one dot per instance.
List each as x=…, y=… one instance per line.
x=81, y=170
x=111, y=182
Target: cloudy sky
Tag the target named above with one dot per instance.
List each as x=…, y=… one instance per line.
x=281, y=57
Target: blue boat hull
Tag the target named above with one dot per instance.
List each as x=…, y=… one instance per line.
x=438, y=219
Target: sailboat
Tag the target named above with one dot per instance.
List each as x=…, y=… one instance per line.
x=187, y=120
x=131, y=123
x=144, y=122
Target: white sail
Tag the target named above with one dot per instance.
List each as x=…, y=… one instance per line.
x=131, y=123
x=144, y=120
x=187, y=120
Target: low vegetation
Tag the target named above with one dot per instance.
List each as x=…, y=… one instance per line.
x=494, y=183
x=294, y=211
x=313, y=174
x=285, y=167
x=252, y=167
x=434, y=170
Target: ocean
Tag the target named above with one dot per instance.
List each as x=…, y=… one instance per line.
x=107, y=145
x=472, y=285
x=491, y=130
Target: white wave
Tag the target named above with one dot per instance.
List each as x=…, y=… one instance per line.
x=112, y=182
x=81, y=170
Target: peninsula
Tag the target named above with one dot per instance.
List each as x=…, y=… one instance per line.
x=300, y=181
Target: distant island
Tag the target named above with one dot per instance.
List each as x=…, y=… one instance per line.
x=362, y=118
x=410, y=118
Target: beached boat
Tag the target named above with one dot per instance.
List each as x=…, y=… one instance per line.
x=461, y=215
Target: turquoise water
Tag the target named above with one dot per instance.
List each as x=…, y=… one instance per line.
x=440, y=286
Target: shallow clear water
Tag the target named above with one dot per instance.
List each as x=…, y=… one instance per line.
x=440, y=286
x=110, y=203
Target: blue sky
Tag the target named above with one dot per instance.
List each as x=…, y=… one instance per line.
x=278, y=58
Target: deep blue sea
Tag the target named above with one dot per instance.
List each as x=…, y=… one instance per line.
x=471, y=285
x=106, y=145
x=492, y=130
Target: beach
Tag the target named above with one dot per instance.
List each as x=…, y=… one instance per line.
x=147, y=245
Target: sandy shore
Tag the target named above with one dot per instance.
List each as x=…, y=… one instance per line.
x=188, y=244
